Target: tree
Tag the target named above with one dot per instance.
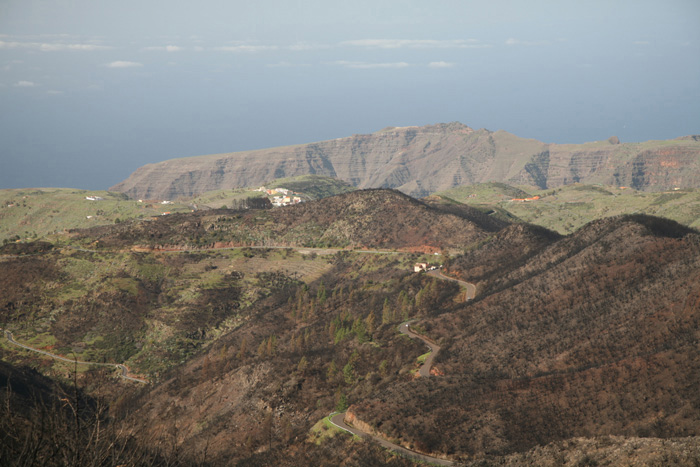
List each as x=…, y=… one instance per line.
x=332, y=371
x=349, y=373
x=369, y=323
x=303, y=365
x=342, y=404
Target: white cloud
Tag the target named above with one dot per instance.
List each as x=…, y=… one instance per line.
x=51, y=46
x=513, y=42
x=166, y=48
x=25, y=84
x=53, y=92
x=641, y=43
x=285, y=64
x=302, y=46
x=123, y=64
x=415, y=43
x=441, y=64
x=82, y=47
x=366, y=65
x=244, y=48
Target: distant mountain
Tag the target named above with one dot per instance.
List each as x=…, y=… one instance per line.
x=422, y=160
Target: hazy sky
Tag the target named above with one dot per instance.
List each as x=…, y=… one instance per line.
x=92, y=89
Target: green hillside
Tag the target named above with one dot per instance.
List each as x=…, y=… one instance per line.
x=224, y=198
x=34, y=213
x=313, y=186
x=567, y=208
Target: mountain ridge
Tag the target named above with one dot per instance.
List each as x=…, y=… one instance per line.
x=422, y=160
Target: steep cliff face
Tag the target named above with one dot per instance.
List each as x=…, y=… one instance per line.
x=421, y=160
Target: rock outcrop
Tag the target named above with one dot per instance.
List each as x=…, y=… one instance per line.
x=422, y=160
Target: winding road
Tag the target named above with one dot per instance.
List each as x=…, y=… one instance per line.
x=339, y=419
x=124, y=371
x=471, y=288
x=424, y=370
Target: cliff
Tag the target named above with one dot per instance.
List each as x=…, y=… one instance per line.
x=422, y=160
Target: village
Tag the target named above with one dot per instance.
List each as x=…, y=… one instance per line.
x=281, y=196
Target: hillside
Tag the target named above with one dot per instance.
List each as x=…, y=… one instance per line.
x=567, y=208
x=252, y=326
x=34, y=213
x=127, y=296
x=422, y=160
x=353, y=220
x=594, y=335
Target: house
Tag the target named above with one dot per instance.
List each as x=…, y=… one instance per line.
x=524, y=200
x=420, y=267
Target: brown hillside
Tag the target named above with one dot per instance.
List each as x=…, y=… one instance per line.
x=365, y=218
x=595, y=335
x=422, y=160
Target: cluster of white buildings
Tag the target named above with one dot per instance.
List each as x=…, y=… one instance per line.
x=280, y=196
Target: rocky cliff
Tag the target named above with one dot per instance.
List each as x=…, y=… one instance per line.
x=422, y=160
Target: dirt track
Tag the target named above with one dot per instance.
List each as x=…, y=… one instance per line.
x=123, y=370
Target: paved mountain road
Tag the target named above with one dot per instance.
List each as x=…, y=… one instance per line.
x=424, y=370
x=338, y=420
x=471, y=288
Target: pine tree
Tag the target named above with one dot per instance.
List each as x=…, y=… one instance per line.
x=331, y=372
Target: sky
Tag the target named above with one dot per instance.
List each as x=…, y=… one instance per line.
x=90, y=90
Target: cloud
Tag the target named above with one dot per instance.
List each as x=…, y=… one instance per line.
x=44, y=47
x=414, y=43
x=166, y=48
x=244, y=48
x=641, y=43
x=53, y=92
x=441, y=64
x=52, y=46
x=302, y=46
x=25, y=84
x=513, y=42
x=123, y=64
x=366, y=65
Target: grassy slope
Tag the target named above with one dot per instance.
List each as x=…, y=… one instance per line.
x=146, y=310
x=34, y=213
x=313, y=186
x=568, y=208
x=224, y=198
x=310, y=187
